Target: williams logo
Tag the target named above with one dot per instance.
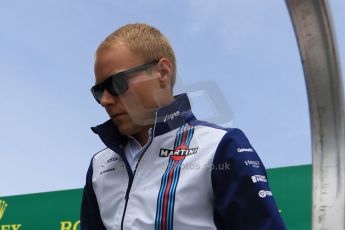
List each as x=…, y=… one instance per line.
x=182, y=151
x=3, y=206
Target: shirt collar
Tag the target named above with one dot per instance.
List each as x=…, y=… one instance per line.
x=174, y=115
x=167, y=118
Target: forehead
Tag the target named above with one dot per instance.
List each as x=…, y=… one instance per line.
x=114, y=59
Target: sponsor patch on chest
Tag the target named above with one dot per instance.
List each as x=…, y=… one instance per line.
x=181, y=145
x=177, y=152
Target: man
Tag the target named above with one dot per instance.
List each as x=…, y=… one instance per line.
x=162, y=168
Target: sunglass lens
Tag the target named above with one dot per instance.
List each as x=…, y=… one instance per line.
x=119, y=86
x=98, y=93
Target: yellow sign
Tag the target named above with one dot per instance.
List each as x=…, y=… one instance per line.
x=68, y=225
x=3, y=206
x=11, y=227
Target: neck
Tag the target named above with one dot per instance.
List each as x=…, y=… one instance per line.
x=163, y=97
x=142, y=136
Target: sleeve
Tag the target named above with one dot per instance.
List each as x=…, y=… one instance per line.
x=243, y=199
x=90, y=218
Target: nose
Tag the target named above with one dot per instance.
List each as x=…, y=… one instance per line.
x=107, y=99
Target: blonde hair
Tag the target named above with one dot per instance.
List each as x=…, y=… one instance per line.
x=143, y=40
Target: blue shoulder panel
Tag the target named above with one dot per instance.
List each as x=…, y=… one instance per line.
x=243, y=198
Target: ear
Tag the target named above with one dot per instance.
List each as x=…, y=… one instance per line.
x=165, y=70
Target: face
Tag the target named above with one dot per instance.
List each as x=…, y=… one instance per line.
x=134, y=110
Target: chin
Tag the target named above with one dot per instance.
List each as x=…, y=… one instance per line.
x=140, y=122
x=126, y=129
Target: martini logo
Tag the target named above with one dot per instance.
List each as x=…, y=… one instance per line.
x=181, y=146
x=180, y=151
x=3, y=206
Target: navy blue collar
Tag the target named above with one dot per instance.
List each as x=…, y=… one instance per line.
x=167, y=118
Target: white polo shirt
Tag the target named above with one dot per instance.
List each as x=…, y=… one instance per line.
x=134, y=150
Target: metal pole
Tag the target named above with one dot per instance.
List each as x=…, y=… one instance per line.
x=313, y=28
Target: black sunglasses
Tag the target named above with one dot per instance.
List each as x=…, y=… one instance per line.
x=116, y=84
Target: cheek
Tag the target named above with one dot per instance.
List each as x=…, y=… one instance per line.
x=136, y=102
x=142, y=93
x=139, y=107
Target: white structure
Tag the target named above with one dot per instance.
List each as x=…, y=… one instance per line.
x=313, y=27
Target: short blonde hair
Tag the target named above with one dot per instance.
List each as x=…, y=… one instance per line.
x=143, y=40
